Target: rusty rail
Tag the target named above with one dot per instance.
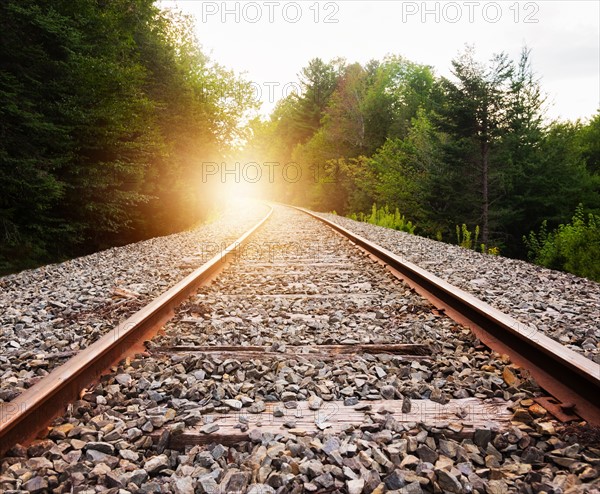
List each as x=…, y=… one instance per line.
x=565, y=374
x=27, y=415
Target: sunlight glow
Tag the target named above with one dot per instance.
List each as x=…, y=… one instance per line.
x=240, y=191
x=232, y=181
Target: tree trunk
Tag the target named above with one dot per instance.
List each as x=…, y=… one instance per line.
x=485, y=151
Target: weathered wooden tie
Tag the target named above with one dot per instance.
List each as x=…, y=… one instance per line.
x=327, y=352
x=459, y=419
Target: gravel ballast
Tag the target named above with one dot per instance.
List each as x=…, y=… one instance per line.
x=301, y=284
x=563, y=306
x=50, y=313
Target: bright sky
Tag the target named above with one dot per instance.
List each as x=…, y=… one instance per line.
x=270, y=41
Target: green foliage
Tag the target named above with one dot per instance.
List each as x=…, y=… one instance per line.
x=463, y=236
x=589, y=144
x=573, y=247
x=384, y=217
x=473, y=148
x=108, y=108
x=468, y=239
x=474, y=114
x=103, y=106
x=536, y=241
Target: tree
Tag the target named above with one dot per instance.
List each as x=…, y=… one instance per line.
x=518, y=156
x=589, y=140
x=473, y=150
x=318, y=80
x=35, y=44
x=344, y=122
x=104, y=107
x=406, y=170
x=476, y=117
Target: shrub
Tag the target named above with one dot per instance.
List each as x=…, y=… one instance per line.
x=464, y=238
x=574, y=247
x=383, y=217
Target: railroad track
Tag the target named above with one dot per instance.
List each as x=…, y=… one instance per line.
x=296, y=361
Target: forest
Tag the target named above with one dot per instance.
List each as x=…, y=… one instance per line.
x=109, y=108
x=104, y=107
x=472, y=160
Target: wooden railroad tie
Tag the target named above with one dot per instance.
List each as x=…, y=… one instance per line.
x=325, y=352
x=458, y=419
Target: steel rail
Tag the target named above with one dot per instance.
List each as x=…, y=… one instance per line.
x=23, y=418
x=565, y=374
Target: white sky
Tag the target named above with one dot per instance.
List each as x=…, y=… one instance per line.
x=565, y=40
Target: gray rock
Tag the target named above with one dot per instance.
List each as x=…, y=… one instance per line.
x=156, y=464
x=312, y=468
x=204, y=459
x=331, y=444
x=39, y=463
x=380, y=372
x=355, y=486
x=236, y=482
x=448, y=448
x=136, y=477
x=150, y=487
x=314, y=402
x=123, y=379
x=482, y=437
x=127, y=454
x=134, y=433
x=255, y=435
x=395, y=480
x=349, y=473
x=207, y=484
x=100, y=457
x=107, y=448
x=325, y=480
x=425, y=453
x=412, y=488
x=233, y=404
x=260, y=489
x=388, y=392
x=218, y=451
x=36, y=485
x=372, y=481
x=258, y=407
x=532, y=455
x=287, y=396
x=209, y=428
x=448, y=482
x=174, y=429
x=163, y=441
x=112, y=480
